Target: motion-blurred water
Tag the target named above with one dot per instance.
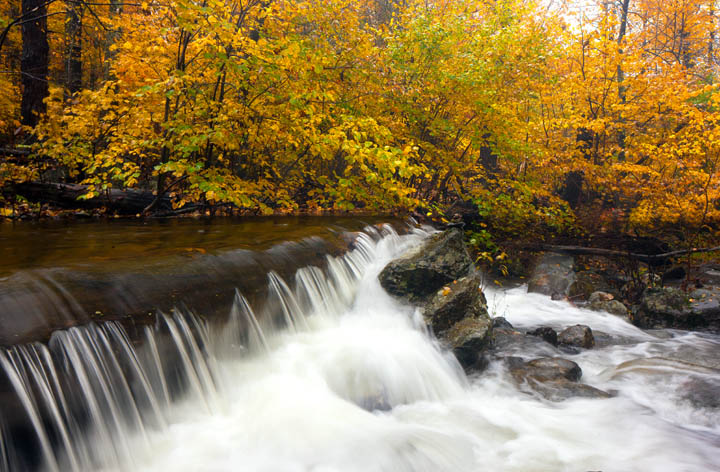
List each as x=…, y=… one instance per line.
x=331, y=374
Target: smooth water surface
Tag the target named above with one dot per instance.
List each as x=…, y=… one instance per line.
x=57, y=274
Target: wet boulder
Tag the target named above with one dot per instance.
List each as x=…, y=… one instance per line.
x=500, y=322
x=705, y=303
x=470, y=333
x=603, y=301
x=548, y=368
x=670, y=307
x=419, y=274
x=508, y=342
x=456, y=301
x=468, y=339
x=554, y=378
x=548, y=334
x=577, y=336
x=553, y=275
x=665, y=308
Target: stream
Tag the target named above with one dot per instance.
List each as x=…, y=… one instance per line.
x=323, y=371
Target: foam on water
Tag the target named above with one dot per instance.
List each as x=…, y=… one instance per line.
x=335, y=375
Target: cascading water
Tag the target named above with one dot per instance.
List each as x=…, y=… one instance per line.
x=331, y=374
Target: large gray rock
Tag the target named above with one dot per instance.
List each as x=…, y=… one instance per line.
x=705, y=303
x=670, y=307
x=553, y=275
x=419, y=274
x=577, y=336
x=666, y=307
x=456, y=301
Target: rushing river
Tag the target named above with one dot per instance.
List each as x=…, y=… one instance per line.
x=331, y=374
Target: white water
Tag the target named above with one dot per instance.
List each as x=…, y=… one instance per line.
x=337, y=376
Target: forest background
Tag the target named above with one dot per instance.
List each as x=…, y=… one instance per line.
x=532, y=122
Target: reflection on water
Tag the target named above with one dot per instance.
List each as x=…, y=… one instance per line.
x=57, y=274
x=114, y=244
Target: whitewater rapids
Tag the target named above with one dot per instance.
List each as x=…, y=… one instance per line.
x=351, y=381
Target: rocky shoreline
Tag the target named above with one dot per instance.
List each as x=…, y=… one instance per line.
x=440, y=278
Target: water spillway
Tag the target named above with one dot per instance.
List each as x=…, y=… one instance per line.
x=328, y=373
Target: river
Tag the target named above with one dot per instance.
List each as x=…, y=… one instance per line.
x=329, y=373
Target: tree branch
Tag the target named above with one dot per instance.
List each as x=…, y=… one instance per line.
x=590, y=251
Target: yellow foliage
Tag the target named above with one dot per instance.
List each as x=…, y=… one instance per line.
x=343, y=104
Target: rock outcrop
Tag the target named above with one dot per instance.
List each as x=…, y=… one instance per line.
x=469, y=339
x=458, y=300
x=670, y=307
x=418, y=275
x=439, y=276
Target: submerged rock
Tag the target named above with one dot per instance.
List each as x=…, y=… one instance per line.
x=559, y=390
x=603, y=339
x=509, y=342
x=459, y=300
x=553, y=276
x=577, y=336
x=702, y=392
x=554, y=378
x=548, y=368
x=546, y=333
x=419, y=274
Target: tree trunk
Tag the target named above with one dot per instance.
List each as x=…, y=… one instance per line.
x=592, y=251
x=73, y=47
x=622, y=89
x=113, y=35
x=34, y=61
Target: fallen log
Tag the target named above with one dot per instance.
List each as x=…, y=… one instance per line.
x=590, y=251
x=14, y=152
x=123, y=202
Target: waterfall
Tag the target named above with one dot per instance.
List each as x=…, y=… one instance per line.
x=329, y=373
x=91, y=389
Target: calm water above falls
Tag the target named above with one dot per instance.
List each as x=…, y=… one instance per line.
x=331, y=374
